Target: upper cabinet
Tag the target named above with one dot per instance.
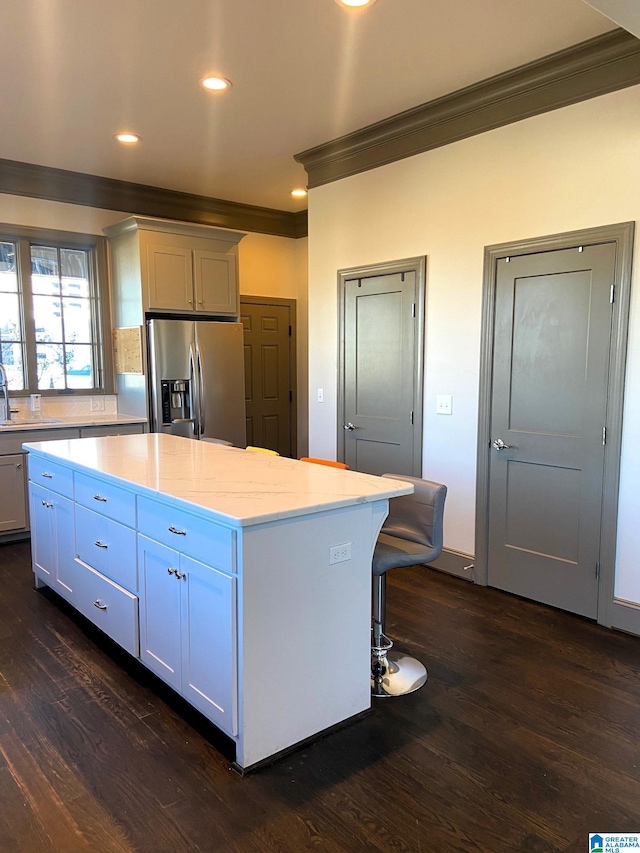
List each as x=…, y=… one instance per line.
x=172, y=267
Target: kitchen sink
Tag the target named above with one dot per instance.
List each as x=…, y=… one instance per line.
x=29, y=421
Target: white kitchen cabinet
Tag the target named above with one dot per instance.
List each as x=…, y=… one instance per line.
x=184, y=279
x=14, y=504
x=52, y=540
x=188, y=629
x=13, y=501
x=234, y=588
x=164, y=266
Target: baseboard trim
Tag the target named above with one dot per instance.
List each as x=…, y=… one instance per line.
x=455, y=563
x=625, y=617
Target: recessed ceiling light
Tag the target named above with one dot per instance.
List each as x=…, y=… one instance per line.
x=128, y=138
x=215, y=84
x=298, y=193
x=354, y=3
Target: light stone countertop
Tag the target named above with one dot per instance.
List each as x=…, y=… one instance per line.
x=239, y=487
x=71, y=422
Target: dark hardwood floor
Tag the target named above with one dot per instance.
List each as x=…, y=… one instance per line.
x=525, y=738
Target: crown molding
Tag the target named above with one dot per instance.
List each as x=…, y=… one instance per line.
x=27, y=179
x=594, y=67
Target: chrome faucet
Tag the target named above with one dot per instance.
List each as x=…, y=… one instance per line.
x=4, y=387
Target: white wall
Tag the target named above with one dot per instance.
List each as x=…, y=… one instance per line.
x=268, y=266
x=277, y=266
x=574, y=168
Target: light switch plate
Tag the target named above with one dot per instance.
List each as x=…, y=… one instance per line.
x=443, y=404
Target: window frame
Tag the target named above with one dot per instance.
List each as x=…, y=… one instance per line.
x=96, y=247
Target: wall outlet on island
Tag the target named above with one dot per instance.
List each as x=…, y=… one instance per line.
x=339, y=553
x=97, y=404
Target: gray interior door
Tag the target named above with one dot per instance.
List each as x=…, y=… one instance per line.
x=381, y=374
x=548, y=407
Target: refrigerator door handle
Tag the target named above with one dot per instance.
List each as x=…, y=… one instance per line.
x=195, y=393
x=201, y=392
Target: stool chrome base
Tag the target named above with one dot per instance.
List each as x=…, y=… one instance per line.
x=394, y=673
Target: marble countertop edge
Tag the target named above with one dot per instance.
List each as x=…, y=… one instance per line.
x=293, y=490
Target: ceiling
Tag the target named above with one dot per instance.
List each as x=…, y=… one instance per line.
x=75, y=72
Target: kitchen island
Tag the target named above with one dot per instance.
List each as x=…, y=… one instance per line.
x=242, y=580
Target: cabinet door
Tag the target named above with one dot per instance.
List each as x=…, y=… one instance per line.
x=159, y=610
x=209, y=669
x=52, y=539
x=43, y=541
x=170, y=278
x=13, y=505
x=216, y=284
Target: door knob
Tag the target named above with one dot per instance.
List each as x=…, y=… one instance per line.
x=499, y=444
x=349, y=427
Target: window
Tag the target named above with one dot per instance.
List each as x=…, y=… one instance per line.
x=53, y=309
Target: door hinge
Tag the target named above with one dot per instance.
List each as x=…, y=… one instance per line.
x=290, y=395
x=604, y=436
x=289, y=331
x=412, y=418
x=598, y=570
x=413, y=309
x=612, y=294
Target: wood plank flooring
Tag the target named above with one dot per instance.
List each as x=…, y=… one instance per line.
x=525, y=739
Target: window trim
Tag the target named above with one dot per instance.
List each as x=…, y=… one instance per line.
x=96, y=246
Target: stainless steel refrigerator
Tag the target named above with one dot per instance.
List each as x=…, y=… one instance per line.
x=196, y=379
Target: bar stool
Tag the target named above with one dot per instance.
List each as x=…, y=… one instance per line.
x=411, y=535
x=222, y=441
x=262, y=450
x=328, y=462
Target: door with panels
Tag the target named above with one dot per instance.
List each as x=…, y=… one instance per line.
x=550, y=369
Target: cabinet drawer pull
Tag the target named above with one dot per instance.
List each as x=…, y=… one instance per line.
x=48, y=476
x=172, y=571
x=100, y=544
x=97, y=603
x=175, y=530
x=181, y=575
x=100, y=498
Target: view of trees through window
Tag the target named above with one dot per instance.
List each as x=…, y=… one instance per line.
x=48, y=318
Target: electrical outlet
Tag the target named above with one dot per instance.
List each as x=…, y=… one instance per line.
x=339, y=553
x=443, y=404
x=97, y=404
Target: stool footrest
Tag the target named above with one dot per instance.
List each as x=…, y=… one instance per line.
x=395, y=674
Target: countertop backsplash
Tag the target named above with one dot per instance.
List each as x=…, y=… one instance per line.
x=67, y=407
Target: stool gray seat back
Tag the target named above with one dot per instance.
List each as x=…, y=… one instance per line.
x=411, y=535
x=412, y=532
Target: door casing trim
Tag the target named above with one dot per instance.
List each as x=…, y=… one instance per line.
x=419, y=266
x=622, y=234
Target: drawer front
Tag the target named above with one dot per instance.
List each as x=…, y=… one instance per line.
x=51, y=475
x=113, y=609
x=107, y=546
x=115, y=429
x=203, y=540
x=106, y=499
